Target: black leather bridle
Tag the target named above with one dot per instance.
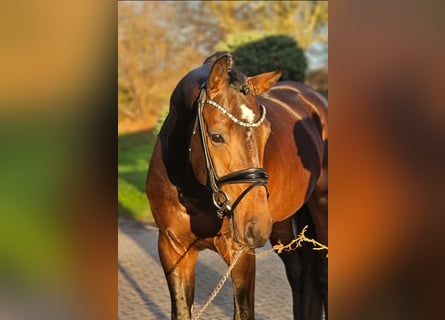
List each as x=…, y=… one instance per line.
x=252, y=176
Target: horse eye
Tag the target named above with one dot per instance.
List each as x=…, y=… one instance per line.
x=217, y=138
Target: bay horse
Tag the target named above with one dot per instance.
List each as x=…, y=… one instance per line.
x=224, y=173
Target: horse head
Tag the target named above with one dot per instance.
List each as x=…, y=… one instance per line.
x=227, y=148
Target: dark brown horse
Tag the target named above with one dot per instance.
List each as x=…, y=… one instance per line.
x=238, y=161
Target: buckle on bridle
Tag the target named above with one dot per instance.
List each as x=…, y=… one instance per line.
x=222, y=207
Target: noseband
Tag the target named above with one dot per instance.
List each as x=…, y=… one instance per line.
x=253, y=176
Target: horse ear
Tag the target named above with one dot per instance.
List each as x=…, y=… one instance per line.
x=263, y=82
x=218, y=75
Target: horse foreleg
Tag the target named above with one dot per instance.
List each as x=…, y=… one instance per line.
x=312, y=293
x=243, y=278
x=300, y=265
x=178, y=262
x=318, y=207
x=282, y=233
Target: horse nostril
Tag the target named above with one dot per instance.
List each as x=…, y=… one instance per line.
x=253, y=237
x=250, y=232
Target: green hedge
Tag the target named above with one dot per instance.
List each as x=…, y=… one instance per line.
x=257, y=53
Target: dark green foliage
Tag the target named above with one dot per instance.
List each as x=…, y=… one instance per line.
x=256, y=54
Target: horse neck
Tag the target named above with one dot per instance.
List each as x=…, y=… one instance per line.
x=175, y=133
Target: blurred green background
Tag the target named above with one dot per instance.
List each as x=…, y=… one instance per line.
x=134, y=151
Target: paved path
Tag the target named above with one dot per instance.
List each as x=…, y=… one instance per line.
x=143, y=292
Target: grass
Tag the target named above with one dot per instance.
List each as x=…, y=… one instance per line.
x=134, y=154
x=135, y=151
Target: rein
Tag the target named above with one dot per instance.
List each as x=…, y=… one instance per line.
x=253, y=176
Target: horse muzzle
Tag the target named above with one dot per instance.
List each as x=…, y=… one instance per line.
x=251, y=227
x=253, y=235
